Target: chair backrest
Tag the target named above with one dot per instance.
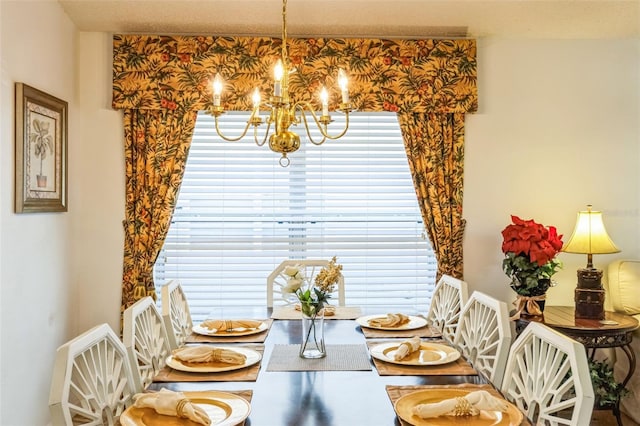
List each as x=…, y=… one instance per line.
x=176, y=314
x=277, y=280
x=449, y=297
x=547, y=376
x=484, y=335
x=146, y=341
x=92, y=380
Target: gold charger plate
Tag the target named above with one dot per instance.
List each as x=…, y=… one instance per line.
x=215, y=367
x=223, y=408
x=404, y=408
x=414, y=322
x=428, y=354
x=224, y=333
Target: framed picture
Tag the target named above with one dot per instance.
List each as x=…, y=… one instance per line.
x=41, y=151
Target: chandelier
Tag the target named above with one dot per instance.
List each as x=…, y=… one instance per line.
x=284, y=114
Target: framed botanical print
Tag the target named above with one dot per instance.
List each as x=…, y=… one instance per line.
x=41, y=151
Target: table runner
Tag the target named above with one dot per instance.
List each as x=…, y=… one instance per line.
x=291, y=313
x=247, y=374
x=458, y=368
x=251, y=338
x=395, y=392
x=339, y=358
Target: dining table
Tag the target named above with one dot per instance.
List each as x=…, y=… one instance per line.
x=351, y=390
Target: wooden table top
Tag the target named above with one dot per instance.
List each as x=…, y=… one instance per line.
x=563, y=318
x=319, y=398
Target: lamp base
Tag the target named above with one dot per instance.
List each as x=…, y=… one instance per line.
x=589, y=295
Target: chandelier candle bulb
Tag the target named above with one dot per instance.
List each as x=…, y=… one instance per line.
x=324, y=97
x=256, y=103
x=278, y=71
x=217, y=90
x=343, y=83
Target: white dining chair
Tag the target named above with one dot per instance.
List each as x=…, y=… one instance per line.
x=176, y=314
x=483, y=335
x=447, y=301
x=310, y=267
x=145, y=338
x=547, y=377
x=92, y=380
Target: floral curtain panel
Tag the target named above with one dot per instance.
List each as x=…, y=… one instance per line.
x=435, y=150
x=156, y=148
x=429, y=78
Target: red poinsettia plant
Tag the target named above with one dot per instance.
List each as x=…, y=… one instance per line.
x=530, y=255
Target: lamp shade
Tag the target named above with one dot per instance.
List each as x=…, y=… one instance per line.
x=589, y=235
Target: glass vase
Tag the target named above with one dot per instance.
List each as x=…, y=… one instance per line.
x=312, y=345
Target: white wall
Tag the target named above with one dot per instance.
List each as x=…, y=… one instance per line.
x=557, y=129
x=97, y=257
x=37, y=48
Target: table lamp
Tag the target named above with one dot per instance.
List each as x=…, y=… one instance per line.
x=590, y=237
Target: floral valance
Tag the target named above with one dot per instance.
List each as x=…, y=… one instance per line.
x=171, y=72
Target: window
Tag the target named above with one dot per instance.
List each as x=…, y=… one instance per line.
x=239, y=214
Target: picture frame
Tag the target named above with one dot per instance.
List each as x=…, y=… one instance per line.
x=40, y=151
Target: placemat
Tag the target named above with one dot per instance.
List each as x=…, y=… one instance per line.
x=395, y=392
x=426, y=331
x=458, y=368
x=339, y=358
x=291, y=313
x=247, y=374
x=250, y=338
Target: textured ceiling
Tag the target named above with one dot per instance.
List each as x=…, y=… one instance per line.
x=568, y=19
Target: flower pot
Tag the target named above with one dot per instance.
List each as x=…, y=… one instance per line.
x=312, y=345
x=531, y=302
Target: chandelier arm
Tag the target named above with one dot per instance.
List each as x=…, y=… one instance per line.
x=266, y=134
x=321, y=125
x=228, y=139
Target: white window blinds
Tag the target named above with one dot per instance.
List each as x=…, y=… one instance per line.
x=239, y=214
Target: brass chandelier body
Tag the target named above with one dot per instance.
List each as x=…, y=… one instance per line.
x=283, y=114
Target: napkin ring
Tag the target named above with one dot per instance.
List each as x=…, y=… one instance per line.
x=463, y=407
x=180, y=408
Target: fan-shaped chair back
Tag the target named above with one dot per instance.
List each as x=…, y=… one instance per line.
x=484, y=335
x=92, y=380
x=449, y=297
x=176, y=314
x=277, y=280
x=547, y=376
x=146, y=340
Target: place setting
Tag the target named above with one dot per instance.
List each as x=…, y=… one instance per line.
x=417, y=357
x=169, y=408
x=194, y=363
x=396, y=325
x=230, y=331
x=446, y=405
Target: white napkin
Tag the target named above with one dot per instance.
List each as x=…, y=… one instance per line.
x=407, y=347
x=468, y=405
x=170, y=403
x=204, y=354
x=390, y=320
